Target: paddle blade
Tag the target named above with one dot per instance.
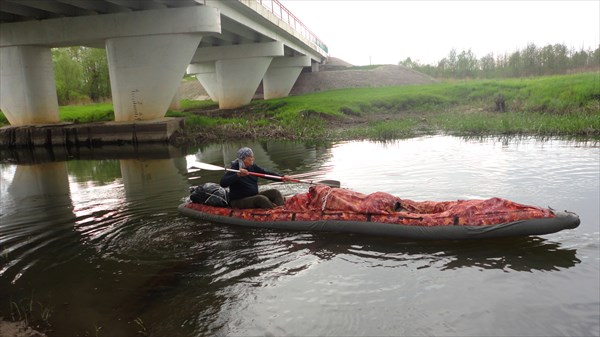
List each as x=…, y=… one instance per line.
x=330, y=183
x=208, y=167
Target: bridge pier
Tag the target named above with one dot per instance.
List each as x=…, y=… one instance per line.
x=282, y=74
x=145, y=72
x=238, y=70
x=27, y=87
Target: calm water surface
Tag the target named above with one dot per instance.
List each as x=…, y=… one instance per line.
x=97, y=247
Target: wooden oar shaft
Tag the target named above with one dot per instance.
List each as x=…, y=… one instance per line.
x=273, y=177
x=211, y=167
x=257, y=174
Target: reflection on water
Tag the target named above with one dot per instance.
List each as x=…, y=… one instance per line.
x=288, y=158
x=99, y=242
x=36, y=205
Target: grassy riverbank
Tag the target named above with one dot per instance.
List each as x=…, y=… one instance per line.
x=553, y=105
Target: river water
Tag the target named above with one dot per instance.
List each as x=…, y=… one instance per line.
x=94, y=245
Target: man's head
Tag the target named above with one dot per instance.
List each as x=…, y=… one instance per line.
x=246, y=155
x=245, y=152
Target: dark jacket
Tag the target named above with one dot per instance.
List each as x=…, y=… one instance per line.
x=243, y=187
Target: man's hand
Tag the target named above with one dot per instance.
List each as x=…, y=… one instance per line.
x=242, y=173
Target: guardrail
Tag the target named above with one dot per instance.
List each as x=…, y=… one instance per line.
x=275, y=7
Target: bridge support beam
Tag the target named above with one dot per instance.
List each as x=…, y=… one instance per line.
x=145, y=72
x=27, y=88
x=282, y=74
x=238, y=70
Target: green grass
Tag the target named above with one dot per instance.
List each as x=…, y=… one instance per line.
x=384, y=130
x=578, y=123
x=187, y=104
x=193, y=120
x=555, y=94
x=87, y=113
x=567, y=104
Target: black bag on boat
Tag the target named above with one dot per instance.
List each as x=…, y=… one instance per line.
x=210, y=194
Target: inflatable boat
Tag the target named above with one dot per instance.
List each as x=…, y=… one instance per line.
x=328, y=209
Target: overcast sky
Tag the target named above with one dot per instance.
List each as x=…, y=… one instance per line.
x=386, y=32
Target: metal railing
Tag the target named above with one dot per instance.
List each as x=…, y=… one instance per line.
x=275, y=7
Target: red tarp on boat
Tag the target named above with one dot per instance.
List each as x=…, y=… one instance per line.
x=326, y=203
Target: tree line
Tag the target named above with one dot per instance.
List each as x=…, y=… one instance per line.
x=530, y=61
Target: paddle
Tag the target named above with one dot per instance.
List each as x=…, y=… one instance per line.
x=211, y=167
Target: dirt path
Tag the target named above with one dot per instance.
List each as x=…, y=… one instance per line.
x=383, y=76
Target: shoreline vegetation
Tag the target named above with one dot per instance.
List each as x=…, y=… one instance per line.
x=559, y=105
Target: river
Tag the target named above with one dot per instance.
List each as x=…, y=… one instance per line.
x=91, y=243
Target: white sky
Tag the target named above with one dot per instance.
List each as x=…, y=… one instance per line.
x=386, y=32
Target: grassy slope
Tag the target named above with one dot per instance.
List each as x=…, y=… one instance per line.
x=544, y=105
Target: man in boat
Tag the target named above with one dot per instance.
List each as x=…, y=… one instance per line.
x=243, y=187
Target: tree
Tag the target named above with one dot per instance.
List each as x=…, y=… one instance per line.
x=530, y=61
x=488, y=65
x=548, y=59
x=515, y=63
x=67, y=74
x=466, y=64
x=562, y=58
x=596, y=57
x=409, y=63
x=451, y=62
x=95, y=74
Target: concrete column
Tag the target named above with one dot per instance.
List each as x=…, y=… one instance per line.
x=145, y=72
x=27, y=88
x=238, y=70
x=206, y=74
x=315, y=67
x=282, y=74
x=237, y=80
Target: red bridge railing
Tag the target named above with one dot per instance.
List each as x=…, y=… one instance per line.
x=275, y=7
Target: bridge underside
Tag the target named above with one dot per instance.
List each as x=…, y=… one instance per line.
x=148, y=53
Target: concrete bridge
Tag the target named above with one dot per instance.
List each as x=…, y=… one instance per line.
x=231, y=46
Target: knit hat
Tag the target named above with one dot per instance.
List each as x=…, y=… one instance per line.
x=245, y=152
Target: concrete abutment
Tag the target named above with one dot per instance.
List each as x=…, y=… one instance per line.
x=162, y=130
